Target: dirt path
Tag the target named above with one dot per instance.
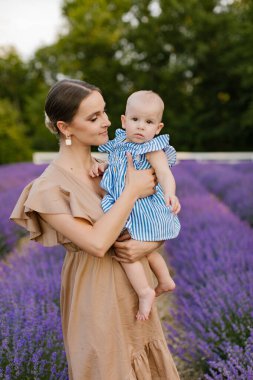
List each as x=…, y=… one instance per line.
x=164, y=304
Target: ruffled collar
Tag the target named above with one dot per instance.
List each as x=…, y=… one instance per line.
x=160, y=142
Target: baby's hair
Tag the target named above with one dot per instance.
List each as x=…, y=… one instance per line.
x=148, y=96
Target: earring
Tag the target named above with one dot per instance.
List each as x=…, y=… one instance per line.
x=68, y=140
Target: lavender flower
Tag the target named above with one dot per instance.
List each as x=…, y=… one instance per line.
x=214, y=273
x=30, y=325
x=233, y=184
x=213, y=262
x=13, y=175
x=13, y=179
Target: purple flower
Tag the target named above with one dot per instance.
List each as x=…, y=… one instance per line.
x=233, y=184
x=30, y=324
x=213, y=262
x=13, y=179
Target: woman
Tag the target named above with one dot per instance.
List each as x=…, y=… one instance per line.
x=102, y=338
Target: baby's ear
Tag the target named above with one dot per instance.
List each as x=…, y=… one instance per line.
x=123, y=121
x=159, y=128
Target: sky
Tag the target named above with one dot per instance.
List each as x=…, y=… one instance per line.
x=29, y=24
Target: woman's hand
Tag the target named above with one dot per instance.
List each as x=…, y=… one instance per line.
x=128, y=250
x=141, y=182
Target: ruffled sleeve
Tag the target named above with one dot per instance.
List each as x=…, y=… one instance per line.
x=108, y=147
x=40, y=197
x=157, y=143
x=171, y=155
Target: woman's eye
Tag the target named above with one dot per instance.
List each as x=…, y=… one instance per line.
x=94, y=119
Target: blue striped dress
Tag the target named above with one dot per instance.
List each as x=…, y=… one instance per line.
x=150, y=218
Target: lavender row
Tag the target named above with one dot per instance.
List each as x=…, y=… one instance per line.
x=10, y=232
x=214, y=276
x=243, y=167
x=231, y=183
x=30, y=327
x=213, y=259
x=14, y=175
x=13, y=179
x=238, y=365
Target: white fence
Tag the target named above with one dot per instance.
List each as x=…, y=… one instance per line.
x=47, y=157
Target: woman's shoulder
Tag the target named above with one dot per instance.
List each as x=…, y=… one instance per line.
x=49, y=173
x=56, y=191
x=43, y=194
x=50, y=193
x=43, y=184
x=53, y=176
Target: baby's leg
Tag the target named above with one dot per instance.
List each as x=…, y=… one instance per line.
x=160, y=269
x=136, y=275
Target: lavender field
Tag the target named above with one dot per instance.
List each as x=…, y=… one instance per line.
x=212, y=331
x=13, y=178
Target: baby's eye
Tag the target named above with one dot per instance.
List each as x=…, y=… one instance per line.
x=149, y=122
x=134, y=118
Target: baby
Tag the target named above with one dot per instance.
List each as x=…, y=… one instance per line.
x=152, y=218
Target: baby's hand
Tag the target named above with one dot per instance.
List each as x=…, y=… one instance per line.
x=173, y=201
x=97, y=168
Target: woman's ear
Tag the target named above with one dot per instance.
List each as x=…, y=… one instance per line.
x=159, y=128
x=123, y=121
x=63, y=127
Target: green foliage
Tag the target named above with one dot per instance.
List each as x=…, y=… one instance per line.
x=23, y=84
x=12, y=74
x=42, y=139
x=194, y=54
x=197, y=55
x=14, y=145
x=88, y=49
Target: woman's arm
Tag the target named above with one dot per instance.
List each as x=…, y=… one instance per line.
x=96, y=239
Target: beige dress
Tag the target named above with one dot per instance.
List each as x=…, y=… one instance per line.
x=103, y=339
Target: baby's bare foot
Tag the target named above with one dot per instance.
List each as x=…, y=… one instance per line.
x=146, y=300
x=164, y=287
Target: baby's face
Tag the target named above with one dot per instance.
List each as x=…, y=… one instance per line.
x=142, y=121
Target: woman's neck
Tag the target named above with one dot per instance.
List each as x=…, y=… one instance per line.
x=75, y=158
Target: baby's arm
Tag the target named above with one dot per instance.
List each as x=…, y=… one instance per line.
x=159, y=162
x=98, y=167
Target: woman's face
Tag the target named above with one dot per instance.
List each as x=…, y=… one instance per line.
x=90, y=124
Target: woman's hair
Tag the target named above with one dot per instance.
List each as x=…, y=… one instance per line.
x=63, y=101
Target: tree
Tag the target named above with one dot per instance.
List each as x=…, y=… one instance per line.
x=196, y=55
x=87, y=50
x=12, y=77
x=14, y=145
x=24, y=86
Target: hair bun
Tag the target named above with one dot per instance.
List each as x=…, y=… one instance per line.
x=50, y=125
